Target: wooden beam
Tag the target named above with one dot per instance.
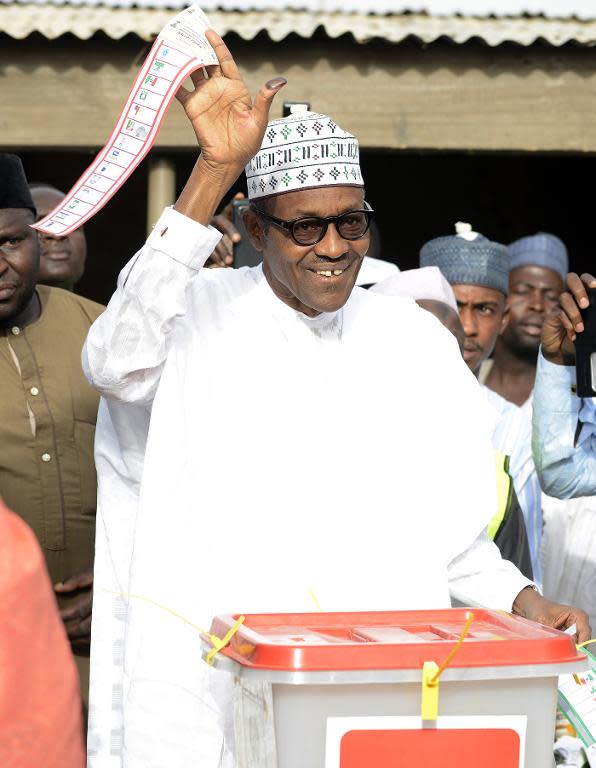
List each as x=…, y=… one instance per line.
x=161, y=188
x=68, y=93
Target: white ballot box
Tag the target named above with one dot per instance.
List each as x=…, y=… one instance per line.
x=331, y=690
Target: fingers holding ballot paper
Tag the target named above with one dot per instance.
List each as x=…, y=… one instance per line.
x=228, y=125
x=183, y=48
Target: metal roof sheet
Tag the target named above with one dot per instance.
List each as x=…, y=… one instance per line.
x=561, y=9
x=18, y=20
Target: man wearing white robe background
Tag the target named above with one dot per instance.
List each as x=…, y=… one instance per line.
x=276, y=490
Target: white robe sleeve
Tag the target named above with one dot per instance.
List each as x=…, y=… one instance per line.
x=481, y=577
x=128, y=344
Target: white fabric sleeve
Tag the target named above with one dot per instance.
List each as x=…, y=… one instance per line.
x=481, y=577
x=566, y=469
x=128, y=344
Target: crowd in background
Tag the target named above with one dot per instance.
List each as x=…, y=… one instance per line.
x=496, y=299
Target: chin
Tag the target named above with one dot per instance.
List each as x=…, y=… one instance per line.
x=329, y=303
x=531, y=344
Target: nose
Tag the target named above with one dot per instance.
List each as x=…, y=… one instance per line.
x=537, y=301
x=332, y=246
x=468, y=320
x=47, y=236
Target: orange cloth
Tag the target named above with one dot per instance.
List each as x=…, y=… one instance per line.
x=40, y=706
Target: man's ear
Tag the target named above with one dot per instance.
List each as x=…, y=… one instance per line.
x=505, y=318
x=254, y=227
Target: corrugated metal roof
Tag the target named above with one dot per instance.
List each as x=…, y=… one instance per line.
x=561, y=9
x=19, y=20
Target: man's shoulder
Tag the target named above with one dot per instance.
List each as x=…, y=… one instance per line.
x=61, y=301
x=369, y=302
x=503, y=405
x=399, y=315
x=216, y=276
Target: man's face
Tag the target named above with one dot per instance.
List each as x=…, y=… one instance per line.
x=19, y=261
x=533, y=294
x=294, y=271
x=62, y=259
x=484, y=316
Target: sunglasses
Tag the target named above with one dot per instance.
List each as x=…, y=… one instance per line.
x=309, y=230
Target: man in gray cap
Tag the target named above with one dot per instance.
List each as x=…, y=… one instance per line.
x=539, y=264
x=478, y=270
x=47, y=410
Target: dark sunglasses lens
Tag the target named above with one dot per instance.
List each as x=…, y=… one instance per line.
x=307, y=231
x=353, y=225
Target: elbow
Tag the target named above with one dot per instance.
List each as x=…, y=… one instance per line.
x=136, y=387
x=558, y=480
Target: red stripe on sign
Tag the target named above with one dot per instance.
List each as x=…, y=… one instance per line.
x=431, y=748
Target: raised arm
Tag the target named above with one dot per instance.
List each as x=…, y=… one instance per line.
x=127, y=346
x=564, y=453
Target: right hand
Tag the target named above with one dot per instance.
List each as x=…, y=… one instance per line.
x=560, y=328
x=228, y=125
x=223, y=255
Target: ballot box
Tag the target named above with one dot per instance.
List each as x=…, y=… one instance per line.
x=330, y=690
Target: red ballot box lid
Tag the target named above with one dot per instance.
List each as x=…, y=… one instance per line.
x=390, y=640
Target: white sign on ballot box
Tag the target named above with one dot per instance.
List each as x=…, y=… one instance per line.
x=491, y=741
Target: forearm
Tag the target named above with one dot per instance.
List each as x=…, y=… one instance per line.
x=206, y=187
x=128, y=344
x=480, y=576
x=564, y=469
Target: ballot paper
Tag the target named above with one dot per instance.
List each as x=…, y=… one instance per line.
x=180, y=48
x=577, y=701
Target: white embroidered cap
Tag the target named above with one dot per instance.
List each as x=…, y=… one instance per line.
x=302, y=151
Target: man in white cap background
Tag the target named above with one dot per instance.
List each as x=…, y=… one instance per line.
x=478, y=271
x=431, y=291
x=539, y=266
x=262, y=501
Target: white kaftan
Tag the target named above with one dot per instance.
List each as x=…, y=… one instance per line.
x=237, y=474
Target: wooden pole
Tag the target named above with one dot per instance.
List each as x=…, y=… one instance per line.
x=161, y=189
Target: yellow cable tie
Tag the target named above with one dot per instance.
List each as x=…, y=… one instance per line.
x=429, y=709
x=313, y=597
x=431, y=672
x=456, y=647
x=586, y=642
x=218, y=643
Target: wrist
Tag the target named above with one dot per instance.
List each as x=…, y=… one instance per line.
x=206, y=187
x=558, y=358
x=526, y=601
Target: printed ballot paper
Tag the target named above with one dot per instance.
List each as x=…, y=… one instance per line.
x=577, y=701
x=180, y=48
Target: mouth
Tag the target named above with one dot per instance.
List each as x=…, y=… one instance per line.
x=532, y=329
x=470, y=353
x=57, y=255
x=7, y=292
x=331, y=272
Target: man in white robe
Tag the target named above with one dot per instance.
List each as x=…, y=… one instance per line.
x=275, y=492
